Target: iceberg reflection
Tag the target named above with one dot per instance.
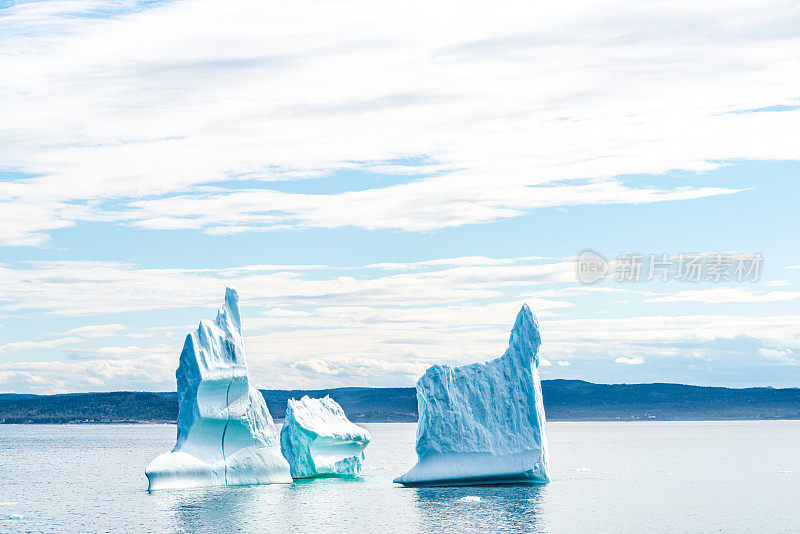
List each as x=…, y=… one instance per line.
x=507, y=508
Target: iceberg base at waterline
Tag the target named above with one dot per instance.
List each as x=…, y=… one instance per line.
x=226, y=435
x=318, y=440
x=484, y=423
x=221, y=450
x=468, y=468
x=255, y=465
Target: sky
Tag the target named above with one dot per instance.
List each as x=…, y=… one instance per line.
x=387, y=183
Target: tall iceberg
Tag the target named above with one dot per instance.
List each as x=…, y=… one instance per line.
x=484, y=423
x=226, y=436
x=318, y=440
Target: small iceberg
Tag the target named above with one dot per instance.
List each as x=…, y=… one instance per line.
x=226, y=436
x=484, y=423
x=318, y=440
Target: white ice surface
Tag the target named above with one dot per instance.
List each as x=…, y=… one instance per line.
x=484, y=422
x=225, y=432
x=318, y=440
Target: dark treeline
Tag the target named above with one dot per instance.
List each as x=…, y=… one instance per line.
x=565, y=400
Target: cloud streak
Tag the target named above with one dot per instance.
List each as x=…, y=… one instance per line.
x=78, y=288
x=720, y=295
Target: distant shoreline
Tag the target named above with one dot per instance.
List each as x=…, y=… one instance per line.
x=549, y=421
x=564, y=400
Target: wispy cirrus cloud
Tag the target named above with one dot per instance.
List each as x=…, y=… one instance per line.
x=408, y=207
x=28, y=345
x=185, y=106
x=75, y=288
x=719, y=295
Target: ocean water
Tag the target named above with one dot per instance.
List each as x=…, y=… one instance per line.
x=608, y=477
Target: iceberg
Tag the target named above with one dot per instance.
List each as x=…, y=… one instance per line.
x=226, y=436
x=484, y=423
x=318, y=440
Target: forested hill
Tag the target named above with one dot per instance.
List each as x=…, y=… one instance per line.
x=565, y=400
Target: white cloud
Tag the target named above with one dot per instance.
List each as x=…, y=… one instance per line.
x=114, y=352
x=90, y=288
x=784, y=356
x=70, y=337
x=405, y=207
x=29, y=345
x=727, y=294
x=563, y=363
x=313, y=326
x=509, y=110
x=677, y=333
x=92, y=331
x=145, y=373
x=464, y=261
x=636, y=360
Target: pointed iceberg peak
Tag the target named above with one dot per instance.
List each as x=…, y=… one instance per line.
x=484, y=423
x=525, y=338
x=229, y=313
x=226, y=435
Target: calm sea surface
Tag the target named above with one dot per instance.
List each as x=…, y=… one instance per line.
x=608, y=477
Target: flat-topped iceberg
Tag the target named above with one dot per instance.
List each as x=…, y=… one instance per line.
x=226, y=436
x=318, y=440
x=484, y=423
